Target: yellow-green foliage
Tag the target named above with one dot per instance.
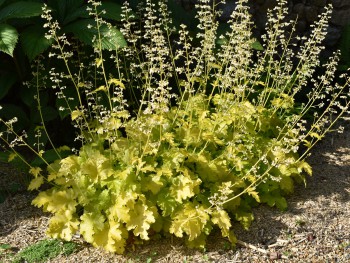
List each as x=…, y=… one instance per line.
x=182, y=140
x=169, y=176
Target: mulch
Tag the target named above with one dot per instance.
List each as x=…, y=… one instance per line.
x=315, y=228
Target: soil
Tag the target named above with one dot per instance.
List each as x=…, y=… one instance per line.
x=315, y=228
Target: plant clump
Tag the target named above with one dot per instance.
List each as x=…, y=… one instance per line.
x=185, y=134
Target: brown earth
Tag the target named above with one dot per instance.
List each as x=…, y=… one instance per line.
x=315, y=228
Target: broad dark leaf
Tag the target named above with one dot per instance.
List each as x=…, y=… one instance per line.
x=34, y=42
x=6, y=82
x=85, y=31
x=21, y=9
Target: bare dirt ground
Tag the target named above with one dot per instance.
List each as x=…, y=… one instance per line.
x=315, y=228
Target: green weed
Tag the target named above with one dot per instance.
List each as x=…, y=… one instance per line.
x=45, y=250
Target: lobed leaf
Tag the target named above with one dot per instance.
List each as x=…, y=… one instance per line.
x=110, y=238
x=190, y=220
x=63, y=225
x=36, y=183
x=141, y=218
x=222, y=219
x=91, y=222
x=184, y=187
x=55, y=201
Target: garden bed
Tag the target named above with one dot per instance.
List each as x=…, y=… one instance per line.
x=315, y=228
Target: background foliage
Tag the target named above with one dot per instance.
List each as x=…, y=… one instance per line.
x=169, y=141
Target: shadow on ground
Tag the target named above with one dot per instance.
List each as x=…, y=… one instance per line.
x=331, y=178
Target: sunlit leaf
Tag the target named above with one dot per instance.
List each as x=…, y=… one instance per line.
x=8, y=38
x=76, y=114
x=254, y=194
x=90, y=224
x=190, y=220
x=222, y=219
x=36, y=183
x=63, y=225
x=141, y=219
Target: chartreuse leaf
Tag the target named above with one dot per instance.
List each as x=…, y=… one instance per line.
x=90, y=169
x=36, y=170
x=123, y=204
x=287, y=184
x=34, y=42
x=54, y=200
x=8, y=38
x=304, y=166
x=184, y=187
x=153, y=183
x=245, y=218
x=222, y=219
x=190, y=220
x=102, y=199
x=91, y=223
x=76, y=114
x=36, y=183
x=69, y=165
x=141, y=218
x=63, y=225
x=254, y=194
x=61, y=169
x=315, y=135
x=274, y=199
x=112, y=237
x=20, y=9
x=116, y=238
x=101, y=237
x=198, y=242
x=167, y=203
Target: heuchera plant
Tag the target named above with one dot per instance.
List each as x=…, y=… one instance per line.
x=215, y=130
